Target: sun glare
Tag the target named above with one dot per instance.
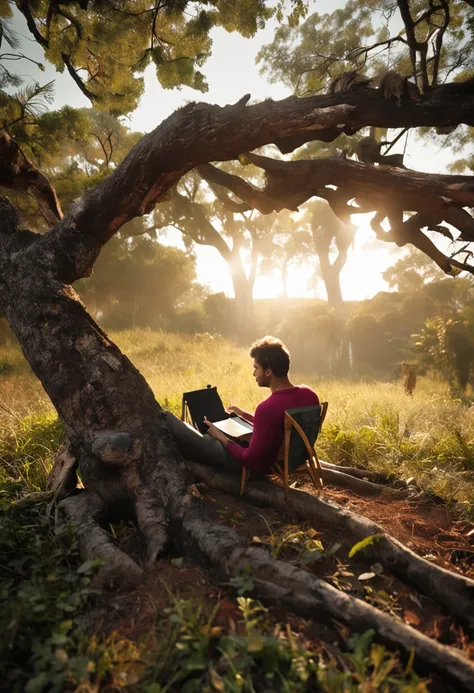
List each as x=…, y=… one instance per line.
x=360, y=278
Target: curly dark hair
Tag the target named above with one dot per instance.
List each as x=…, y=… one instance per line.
x=270, y=352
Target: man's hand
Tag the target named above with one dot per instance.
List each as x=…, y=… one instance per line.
x=214, y=432
x=233, y=409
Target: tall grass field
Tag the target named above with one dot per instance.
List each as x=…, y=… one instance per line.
x=375, y=425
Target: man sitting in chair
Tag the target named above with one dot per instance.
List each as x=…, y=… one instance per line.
x=271, y=363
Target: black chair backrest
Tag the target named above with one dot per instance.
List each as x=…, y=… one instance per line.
x=205, y=402
x=309, y=418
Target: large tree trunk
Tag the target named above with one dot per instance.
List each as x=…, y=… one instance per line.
x=126, y=457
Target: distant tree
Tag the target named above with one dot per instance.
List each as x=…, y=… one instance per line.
x=412, y=272
x=445, y=346
x=288, y=244
x=330, y=242
x=208, y=216
x=137, y=282
x=332, y=239
x=220, y=312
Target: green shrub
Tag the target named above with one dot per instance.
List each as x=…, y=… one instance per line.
x=195, y=656
x=43, y=591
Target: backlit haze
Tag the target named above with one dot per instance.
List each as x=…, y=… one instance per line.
x=231, y=72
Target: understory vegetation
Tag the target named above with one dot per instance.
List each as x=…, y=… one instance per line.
x=52, y=638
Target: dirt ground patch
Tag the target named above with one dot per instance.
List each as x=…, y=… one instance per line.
x=426, y=528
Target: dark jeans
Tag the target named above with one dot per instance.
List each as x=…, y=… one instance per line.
x=201, y=448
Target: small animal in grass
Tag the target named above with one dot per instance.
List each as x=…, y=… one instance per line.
x=409, y=371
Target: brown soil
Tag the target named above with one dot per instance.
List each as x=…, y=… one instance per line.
x=426, y=528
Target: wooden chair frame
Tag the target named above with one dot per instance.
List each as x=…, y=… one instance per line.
x=311, y=467
x=185, y=415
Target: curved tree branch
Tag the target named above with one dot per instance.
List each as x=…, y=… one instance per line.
x=75, y=75
x=201, y=230
x=24, y=7
x=18, y=173
x=439, y=41
x=390, y=191
x=414, y=45
x=199, y=133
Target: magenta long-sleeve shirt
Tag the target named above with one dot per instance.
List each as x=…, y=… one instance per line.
x=268, y=428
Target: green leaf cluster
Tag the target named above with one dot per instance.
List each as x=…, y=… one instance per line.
x=42, y=597
x=107, y=45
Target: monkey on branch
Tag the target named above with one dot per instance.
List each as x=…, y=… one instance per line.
x=368, y=151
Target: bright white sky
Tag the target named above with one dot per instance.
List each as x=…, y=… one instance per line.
x=231, y=72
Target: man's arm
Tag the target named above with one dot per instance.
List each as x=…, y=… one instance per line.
x=264, y=444
x=216, y=433
x=234, y=409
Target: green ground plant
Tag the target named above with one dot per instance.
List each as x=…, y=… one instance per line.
x=262, y=656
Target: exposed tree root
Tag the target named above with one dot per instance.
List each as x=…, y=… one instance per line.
x=352, y=471
x=454, y=592
x=62, y=479
x=152, y=521
x=360, y=486
x=196, y=532
x=86, y=510
x=304, y=593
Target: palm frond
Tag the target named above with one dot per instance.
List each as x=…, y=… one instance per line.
x=34, y=98
x=9, y=35
x=9, y=79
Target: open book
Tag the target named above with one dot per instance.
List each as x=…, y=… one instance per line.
x=234, y=426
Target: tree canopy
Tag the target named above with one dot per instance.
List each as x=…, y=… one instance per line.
x=427, y=42
x=106, y=45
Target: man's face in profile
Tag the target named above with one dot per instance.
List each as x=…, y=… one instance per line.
x=261, y=375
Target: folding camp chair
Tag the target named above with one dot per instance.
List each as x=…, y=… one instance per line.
x=200, y=403
x=302, y=427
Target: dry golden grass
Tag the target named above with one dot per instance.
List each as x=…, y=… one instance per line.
x=429, y=436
